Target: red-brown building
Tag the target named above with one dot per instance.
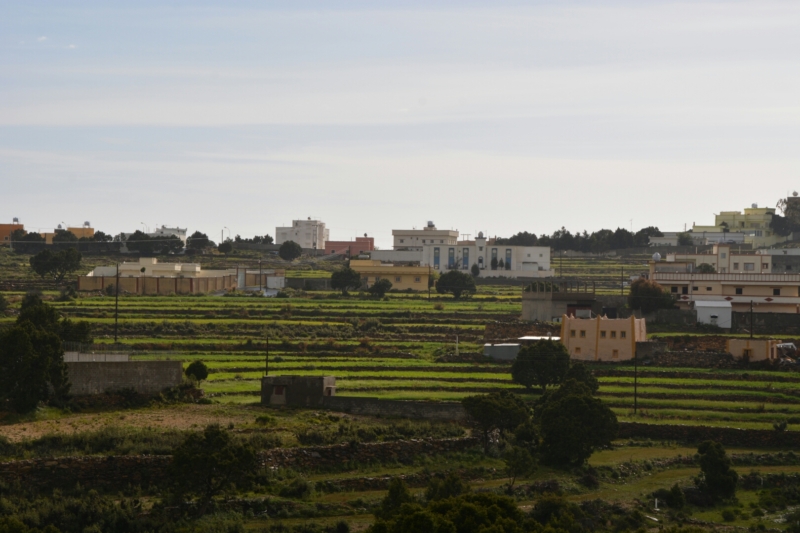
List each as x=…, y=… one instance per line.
x=350, y=248
x=6, y=230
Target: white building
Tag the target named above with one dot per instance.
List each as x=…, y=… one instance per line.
x=714, y=312
x=415, y=239
x=164, y=231
x=493, y=260
x=309, y=234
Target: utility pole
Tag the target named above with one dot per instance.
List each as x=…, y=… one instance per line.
x=259, y=276
x=622, y=281
x=116, y=306
x=751, y=319
x=266, y=359
x=635, y=383
x=429, y=282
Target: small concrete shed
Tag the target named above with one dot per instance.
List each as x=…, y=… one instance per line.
x=714, y=312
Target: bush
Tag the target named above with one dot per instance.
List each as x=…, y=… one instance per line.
x=298, y=489
x=197, y=371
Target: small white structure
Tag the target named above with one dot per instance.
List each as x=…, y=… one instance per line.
x=309, y=234
x=502, y=352
x=714, y=312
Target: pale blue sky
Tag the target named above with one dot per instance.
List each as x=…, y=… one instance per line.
x=493, y=116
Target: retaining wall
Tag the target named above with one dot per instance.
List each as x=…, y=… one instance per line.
x=358, y=405
x=766, y=323
x=145, y=377
x=757, y=438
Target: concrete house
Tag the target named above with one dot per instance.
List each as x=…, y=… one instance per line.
x=602, y=339
x=402, y=277
x=309, y=234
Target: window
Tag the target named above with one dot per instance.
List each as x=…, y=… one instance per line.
x=441, y=241
x=708, y=288
x=451, y=258
x=736, y=266
x=739, y=290
x=423, y=241
x=436, y=258
x=508, y=258
x=788, y=267
x=401, y=240
x=279, y=390
x=572, y=333
x=674, y=289
x=747, y=353
x=765, y=266
x=695, y=288
x=613, y=334
x=397, y=279
x=583, y=333
x=614, y=354
x=623, y=334
x=577, y=351
x=602, y=334
x=776, y=292
x=684, y=290
x=480, y=248
x=465, y=258
x=723, y=255
x=749, y=266
x=417, y=279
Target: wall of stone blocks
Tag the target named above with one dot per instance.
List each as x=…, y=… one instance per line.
x=398, y=408
x=145, y=377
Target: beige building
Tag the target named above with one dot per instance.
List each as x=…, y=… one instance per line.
x=309, y=234
x=149, y=276
x=753, y=349
x=774, y=293
x=754, y=222
x=726, y=260
x=602, y=339
x=415, y=239
x=402, y=277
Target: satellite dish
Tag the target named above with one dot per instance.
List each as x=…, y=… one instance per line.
x=794, y=193
x=59, y=226
x=656, y=257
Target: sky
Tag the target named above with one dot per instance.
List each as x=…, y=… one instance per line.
x=371, y=116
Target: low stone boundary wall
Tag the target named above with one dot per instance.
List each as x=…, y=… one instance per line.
x=119, y=471
x=358, y=405
x=757, y=438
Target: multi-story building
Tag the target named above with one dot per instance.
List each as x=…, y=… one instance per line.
x=350, y=248
x=602, y=339
x=7, y=229
x=309, y=234
x=493, y=260
x=82, y=232
x=754, y=222
x=415, y=239
x=402, y=277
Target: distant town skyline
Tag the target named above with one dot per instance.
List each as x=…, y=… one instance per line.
x=497, y=117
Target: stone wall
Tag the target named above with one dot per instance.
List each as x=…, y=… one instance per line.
x=757, y=438
x=766, y=323
x=358, y=405
x=118, y=472
x=145, y=377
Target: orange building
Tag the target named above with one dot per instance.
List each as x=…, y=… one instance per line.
x=6, y=230
x=601, y=338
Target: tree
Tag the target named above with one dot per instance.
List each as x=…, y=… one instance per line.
x=501, y=264
x=209, y=462
x=475, y=270
x=290, y=250
x=198, y=241
x=718, y=478
x=648, y=296
x=197, y=371
x=493, y=263
x=225, y=247
x=397, y=496
x=573, y=424
x=64, y=236
x=26, y=242
x=456, y=283
x=705, y=268
x=3, y=304
x=523, y=238
x=100, y=236
x=56, y=265
x=448, y=487
x=544, y=363
x=519, y=463
x=345, y=279
x=642, y=237
x=33, y=367
x=169, y=244
x=685, y=239
x=497, y=411
x=578, y=372
x=380, y=287
x=141, y=242
x=47, y=318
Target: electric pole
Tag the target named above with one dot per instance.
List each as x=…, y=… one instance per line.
x=116, y=306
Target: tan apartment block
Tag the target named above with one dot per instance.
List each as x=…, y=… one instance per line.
x=402, y=277
x=601, y=338
x=753, y=349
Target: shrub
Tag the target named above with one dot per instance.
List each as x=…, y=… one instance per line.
x=298, y=489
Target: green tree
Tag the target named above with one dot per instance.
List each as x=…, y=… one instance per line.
x=345, y=279
x=475, y=270
x=519, y=463
x=225, y=247
x=3, y=304
x=685, y=239
x=56, y=265
x=209, y=462
x=169, y=244
x=456, y=283
x=100, y=236
x=580, y=373
x=198, y=241
x=64, y=236
x=497, y=411
x=447, y=487
x=47, y=318
x=26, y=242
x=397, y=496
x=33, y=367
x=197, y=371
x=705, y=268
x=544, y=363
x=380, y=287
x=648, y=296
x=493, y=263
x=290, y=250
x=573, y=424
x=501, y=264
x=141, y=243
x=718, y=478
